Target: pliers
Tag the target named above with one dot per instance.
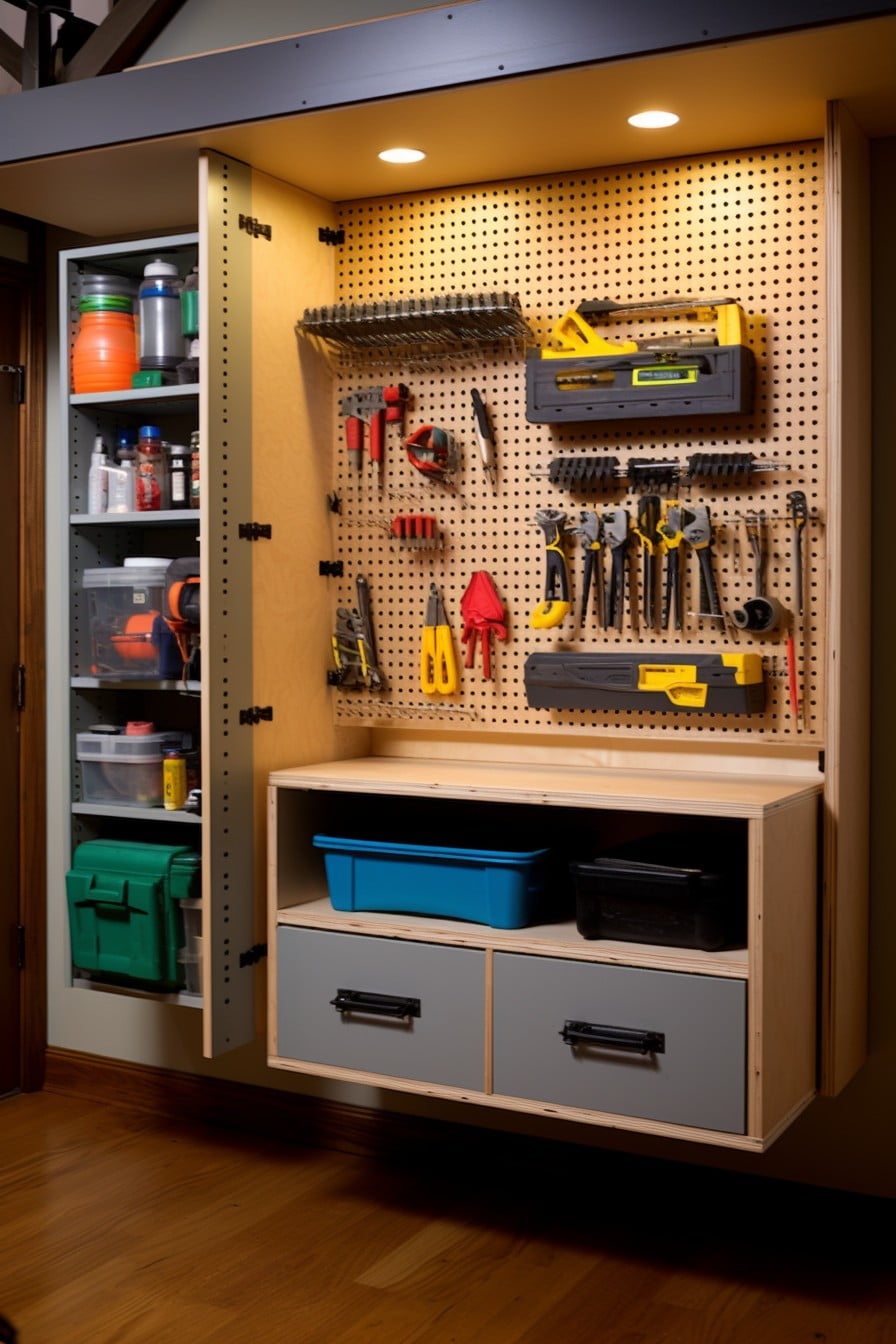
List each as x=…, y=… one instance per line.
x=697, y=532
x=438, y=666
x=616, y=533
x=552, y=610
x=646, y=530
x=590, y=530
x=671, y=537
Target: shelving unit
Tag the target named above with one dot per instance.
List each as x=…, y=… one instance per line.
x=97, y=696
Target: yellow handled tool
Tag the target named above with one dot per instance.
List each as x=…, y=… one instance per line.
x=438, y=666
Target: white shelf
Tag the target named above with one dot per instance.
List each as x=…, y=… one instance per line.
x=132, y=812
x=144, y=398
x=155, y=518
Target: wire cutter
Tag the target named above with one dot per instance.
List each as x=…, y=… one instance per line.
x=671, y=537
x=590, y=530
x=697, y=532
x=438, y=666
x=616, y=532
x=646, y=530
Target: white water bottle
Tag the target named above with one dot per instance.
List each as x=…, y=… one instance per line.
x=122, y=488
x=97, y=478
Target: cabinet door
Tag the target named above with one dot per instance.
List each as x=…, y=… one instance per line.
x=419, y=1011
x=694, y=1075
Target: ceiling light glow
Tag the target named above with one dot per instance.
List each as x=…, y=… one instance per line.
x=653, y=120
x=399, y=155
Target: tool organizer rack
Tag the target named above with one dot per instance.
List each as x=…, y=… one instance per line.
x=767, y=227
x=748, y=225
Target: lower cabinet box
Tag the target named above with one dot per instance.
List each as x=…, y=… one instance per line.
x=657, y=1045
x=377, y=1005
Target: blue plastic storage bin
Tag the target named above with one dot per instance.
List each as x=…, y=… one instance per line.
x=500, y=889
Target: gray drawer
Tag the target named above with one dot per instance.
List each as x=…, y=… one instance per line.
x=699, y=1078
x=444, y=1044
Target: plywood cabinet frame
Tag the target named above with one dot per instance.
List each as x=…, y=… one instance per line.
x=778, y=966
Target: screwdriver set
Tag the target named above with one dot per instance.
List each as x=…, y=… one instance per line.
x=681, y=551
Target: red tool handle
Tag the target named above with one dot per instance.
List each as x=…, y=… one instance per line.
x=485, y=637
x=377, y=436
x=354, y=437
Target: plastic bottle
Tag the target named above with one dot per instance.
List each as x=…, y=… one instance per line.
x=97, y=478
x=189, y=305
x=179, y=476
x=122, y=488
x=161, y=340
x=174, y=780
x=151, y=482
x=194, y=474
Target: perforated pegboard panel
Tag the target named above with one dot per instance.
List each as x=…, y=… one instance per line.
x=746, y=225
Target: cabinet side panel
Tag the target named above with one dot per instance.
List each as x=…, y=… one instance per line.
x=226, y=613
x=782, y=981
x=845, y=927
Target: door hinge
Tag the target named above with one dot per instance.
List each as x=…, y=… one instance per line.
x=254, y=955
x=332, y=237
x=254, y=531
x=20, y=947
x=20, y=687
x=254, y=227
x=18, y=372
x=256, y=714
x=330, y=569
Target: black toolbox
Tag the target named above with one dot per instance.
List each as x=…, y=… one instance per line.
x=671, y=891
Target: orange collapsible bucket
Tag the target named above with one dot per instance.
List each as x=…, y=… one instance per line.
x=104, y=355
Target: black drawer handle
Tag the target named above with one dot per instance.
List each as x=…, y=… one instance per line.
x=614, y=1038
x=380, y=1005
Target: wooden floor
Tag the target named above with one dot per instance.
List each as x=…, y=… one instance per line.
x=117, y=1227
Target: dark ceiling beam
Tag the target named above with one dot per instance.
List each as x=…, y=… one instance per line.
x=10, y=57
x=120, y=39
x=410, y=53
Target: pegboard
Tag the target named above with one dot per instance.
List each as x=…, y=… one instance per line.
x=745, y=225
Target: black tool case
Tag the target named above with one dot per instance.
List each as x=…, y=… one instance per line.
x=715, y=380
x=657, y=890
x=708, y=683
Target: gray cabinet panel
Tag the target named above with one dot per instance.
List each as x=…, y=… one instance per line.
x=444, y=1044
x=699, y=1079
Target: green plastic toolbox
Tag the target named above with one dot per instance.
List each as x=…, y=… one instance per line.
x=124, y=910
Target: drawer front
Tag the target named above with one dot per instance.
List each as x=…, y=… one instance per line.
x=699, y=1078
x=445, y=1043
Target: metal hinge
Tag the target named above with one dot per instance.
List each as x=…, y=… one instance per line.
x=20, y=947
x=254, y=955
x=18, y=372
x=332, y=237
x=254, y=531
x=330, y=569
x=20, y=687
x=255, y=227
x=256, y=713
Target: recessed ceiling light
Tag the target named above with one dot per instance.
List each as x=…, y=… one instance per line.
x=653, y=120
x=399, y=155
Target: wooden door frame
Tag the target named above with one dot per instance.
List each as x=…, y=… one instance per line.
x=32, y=656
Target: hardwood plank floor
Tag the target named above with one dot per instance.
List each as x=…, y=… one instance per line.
x=120, y=1227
